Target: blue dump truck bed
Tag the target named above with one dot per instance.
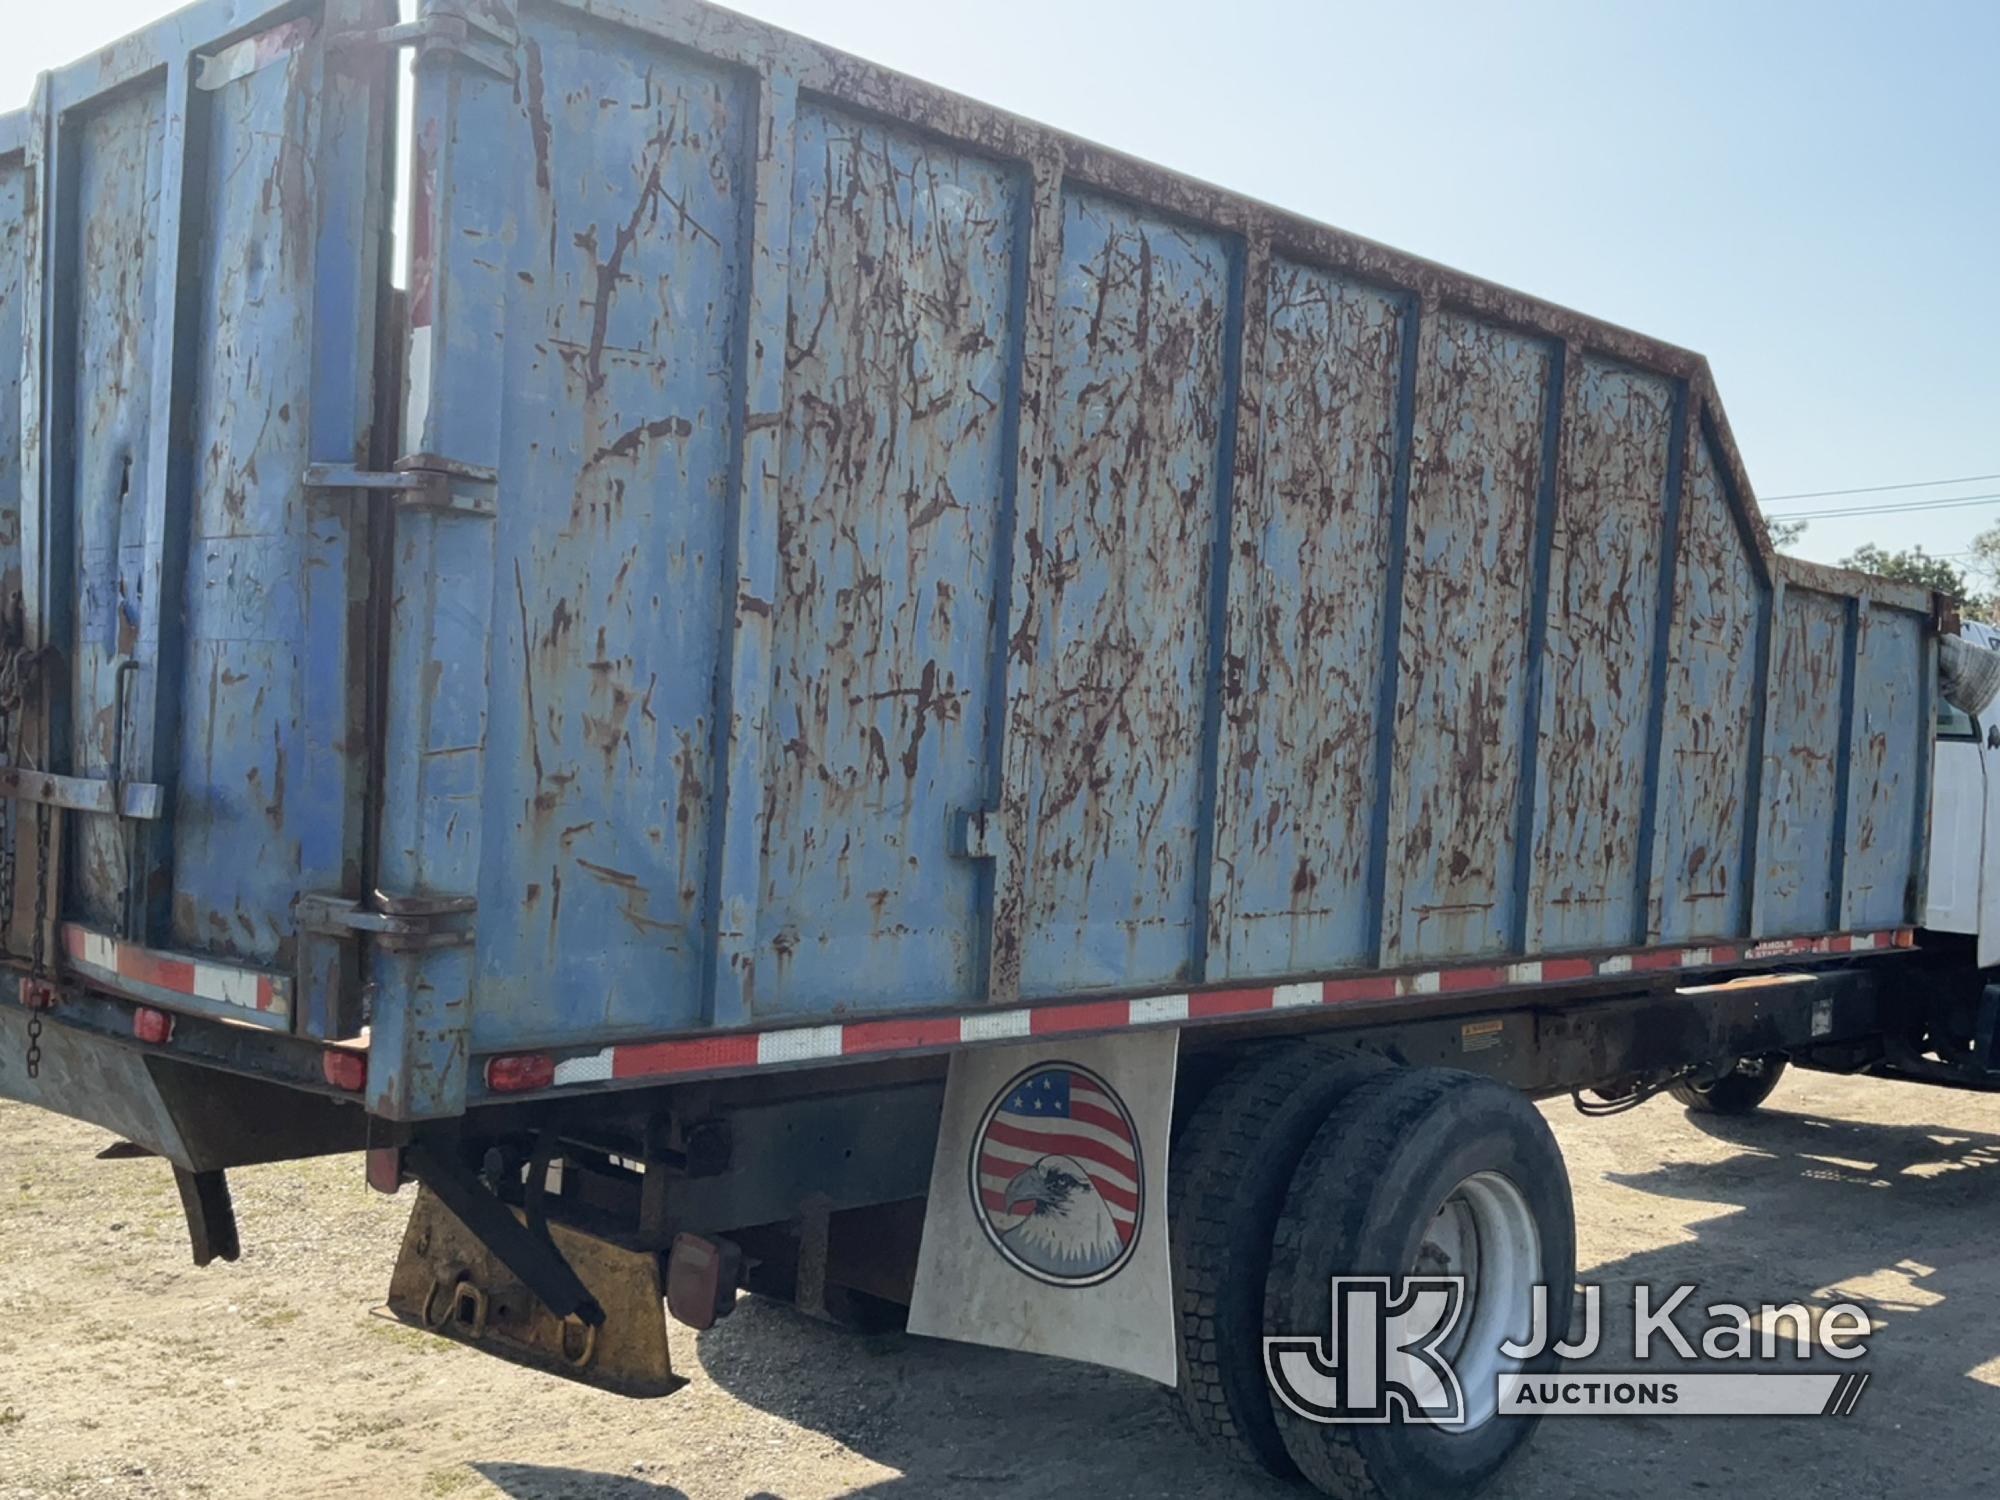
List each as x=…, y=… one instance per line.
x=802, y=564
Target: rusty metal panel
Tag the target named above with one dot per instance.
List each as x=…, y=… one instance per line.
x=617, y=424
x=1144, y=317
x=1804, y=766
x=1714, y=706
x=212, y=193
x=1454, y=808
x=1304, y=667
x=897, y=473
x=116, y=154
x=899, y=557
x=1612, y=510
x=1889, y=741
x=246, y=805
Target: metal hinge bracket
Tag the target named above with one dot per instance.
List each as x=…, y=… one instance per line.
x=459, y=488
x=400, y=923
x=116, y=799
x=458, y=31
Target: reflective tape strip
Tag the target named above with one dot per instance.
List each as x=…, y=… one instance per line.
x=740, y=1052
x=108, y=961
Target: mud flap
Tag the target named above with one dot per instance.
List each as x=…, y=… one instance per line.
x=1046, y=1227
x=448, y=1283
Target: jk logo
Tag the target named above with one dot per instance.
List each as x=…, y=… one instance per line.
x=1385, y=1358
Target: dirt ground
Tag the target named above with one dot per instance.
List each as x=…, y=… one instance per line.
x=124, y=1371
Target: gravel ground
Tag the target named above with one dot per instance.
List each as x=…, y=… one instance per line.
x=124, y=1371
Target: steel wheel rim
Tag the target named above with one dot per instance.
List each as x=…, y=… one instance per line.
x=1485, y=1232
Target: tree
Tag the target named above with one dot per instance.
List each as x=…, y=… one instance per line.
x=1785, y=534
x=1917, y=566
x=1984, y=565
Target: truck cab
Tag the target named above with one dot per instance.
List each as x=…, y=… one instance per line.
x=1962, y=889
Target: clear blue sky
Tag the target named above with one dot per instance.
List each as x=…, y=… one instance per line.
x=1809, y=194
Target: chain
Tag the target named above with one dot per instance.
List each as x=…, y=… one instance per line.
x=38, y=943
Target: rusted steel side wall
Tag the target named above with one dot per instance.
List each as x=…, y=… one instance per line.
x=1145, y=316
x=897, y=463
x=117, y=169
x=252, y=825
x=1301, y=788
x=618, y=428
x=931, y=561
x=1710, y=734
x=1597, y=671
x=1469, y=590
x=939, y=563
x=1886, y=788
x=194, y=216
x=1804, y=765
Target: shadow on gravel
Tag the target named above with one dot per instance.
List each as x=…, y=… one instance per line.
x=956, y=1420
x=1903, y=1219
x=545, y=1482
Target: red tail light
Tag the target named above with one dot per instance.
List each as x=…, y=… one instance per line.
x=154, y=1027
x=520, y=1072
x=346, y=1071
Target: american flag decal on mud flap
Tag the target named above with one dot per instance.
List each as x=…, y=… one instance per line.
x=1056, y=1176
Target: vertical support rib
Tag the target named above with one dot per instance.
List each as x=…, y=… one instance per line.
x=1753, y=834
x=1920, y=850
x=1236, y=479
x=48, y=437
x=440, y=647
x=1011, y=741
x=154, y=712
x=1855, y=614
x=1416, y=317
x=338, y=725
x=1646, y=921
x=751, y=571
x=1769, y=597
x=1555, y=411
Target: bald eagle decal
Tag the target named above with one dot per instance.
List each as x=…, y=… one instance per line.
x=1056, y=1177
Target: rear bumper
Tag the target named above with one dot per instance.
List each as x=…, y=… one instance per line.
x=198, y=1117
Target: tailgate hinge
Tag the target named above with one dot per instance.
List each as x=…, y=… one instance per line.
x=415, y=484
x=459, y=28
x=400, y=923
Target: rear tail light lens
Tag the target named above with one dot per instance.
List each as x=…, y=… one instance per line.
x=154, y=1027
x=346, y=1071
x=520, y=1072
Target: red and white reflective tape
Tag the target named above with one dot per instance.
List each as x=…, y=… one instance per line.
x=744, y=1051
x=153, y=974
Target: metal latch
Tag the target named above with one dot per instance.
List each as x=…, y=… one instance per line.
x=975, y=834
x=461, y=488
x=399, y=923
x=462, y=29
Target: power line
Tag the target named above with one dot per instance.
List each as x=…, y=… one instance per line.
x=1882, y=489
x=1883, y=510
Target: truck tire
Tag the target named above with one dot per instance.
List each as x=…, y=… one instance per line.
x=1738, y=1092
x=1226, y=1181
x=1443, y=1172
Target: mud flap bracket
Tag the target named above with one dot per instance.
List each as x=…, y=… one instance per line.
x=211, y=1216
x=450, y=1281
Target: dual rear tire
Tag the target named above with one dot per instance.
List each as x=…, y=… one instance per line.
x=1303, y=1164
